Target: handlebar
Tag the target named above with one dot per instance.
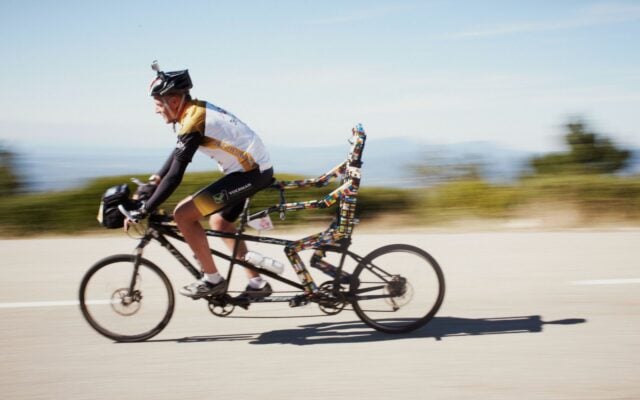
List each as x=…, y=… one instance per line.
x=127, y=214
x=137, y=181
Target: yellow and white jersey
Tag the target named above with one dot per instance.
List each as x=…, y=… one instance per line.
x=225, y=138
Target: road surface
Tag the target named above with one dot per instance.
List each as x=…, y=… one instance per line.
x=531, y=315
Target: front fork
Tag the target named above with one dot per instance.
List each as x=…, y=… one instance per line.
x=136, y=261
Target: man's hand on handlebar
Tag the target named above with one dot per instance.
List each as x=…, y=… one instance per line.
x=155, y=179
x=145, y=191
x=133, y=216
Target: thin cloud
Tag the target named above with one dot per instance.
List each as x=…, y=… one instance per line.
x=594, y=15
x=357, y=17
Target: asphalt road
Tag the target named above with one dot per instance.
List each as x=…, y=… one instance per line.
x=530, y=315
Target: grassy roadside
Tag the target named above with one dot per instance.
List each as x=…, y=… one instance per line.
x=596, y=198
x=75, y=211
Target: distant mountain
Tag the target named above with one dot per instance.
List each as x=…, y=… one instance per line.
x=496, y=163
x=387, y=162
x=634, y=163
x=46, y=169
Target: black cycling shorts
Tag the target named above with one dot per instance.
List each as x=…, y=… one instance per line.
x=227, y=194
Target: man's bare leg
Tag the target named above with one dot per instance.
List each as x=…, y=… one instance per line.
x=187, y=216
x=218, y=223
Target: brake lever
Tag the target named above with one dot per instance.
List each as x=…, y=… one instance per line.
x=127, y=214
x=137, y=181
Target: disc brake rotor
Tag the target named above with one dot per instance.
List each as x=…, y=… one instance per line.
x=126, y=303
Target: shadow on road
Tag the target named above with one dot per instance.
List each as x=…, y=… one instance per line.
x=357, y=332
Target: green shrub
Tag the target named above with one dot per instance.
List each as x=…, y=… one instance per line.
x=467, y=198
x=596, y=196
x=75, y=210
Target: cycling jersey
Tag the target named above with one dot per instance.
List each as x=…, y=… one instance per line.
x=222, y=136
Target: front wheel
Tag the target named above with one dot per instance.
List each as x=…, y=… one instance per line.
x=397, y=288
x=125, y=302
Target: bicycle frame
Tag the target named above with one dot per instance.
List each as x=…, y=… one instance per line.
x=159, y=231
x=375, y=276
x=337, y=238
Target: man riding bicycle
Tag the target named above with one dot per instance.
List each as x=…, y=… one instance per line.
x=242, y=158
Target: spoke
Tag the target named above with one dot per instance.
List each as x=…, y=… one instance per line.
x=399, y=279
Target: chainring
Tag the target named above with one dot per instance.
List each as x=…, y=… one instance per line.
x=328, y=302
x=221, y=307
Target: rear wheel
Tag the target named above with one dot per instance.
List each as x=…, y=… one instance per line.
x=397, y=288
x=125, y=303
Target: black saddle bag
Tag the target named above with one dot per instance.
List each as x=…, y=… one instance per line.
x=108, y=214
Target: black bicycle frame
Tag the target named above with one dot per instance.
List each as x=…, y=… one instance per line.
x=159, y=232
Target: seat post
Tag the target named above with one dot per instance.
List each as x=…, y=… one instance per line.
x=244, y=216
x=239, y=231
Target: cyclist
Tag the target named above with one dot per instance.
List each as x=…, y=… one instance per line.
x=241, y=157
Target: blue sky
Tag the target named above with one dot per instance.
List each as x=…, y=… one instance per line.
x=301, y=73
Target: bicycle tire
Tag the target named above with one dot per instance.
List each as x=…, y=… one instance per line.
x=113, y=292
x=391, y=275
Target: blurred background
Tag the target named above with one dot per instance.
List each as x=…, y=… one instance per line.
x=497, y=113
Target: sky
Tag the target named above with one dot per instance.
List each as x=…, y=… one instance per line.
x=301, y=73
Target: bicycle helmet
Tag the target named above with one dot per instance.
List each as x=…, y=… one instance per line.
x=172, y=82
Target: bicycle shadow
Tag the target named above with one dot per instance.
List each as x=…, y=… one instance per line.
x=358, y=332
x=438, y=328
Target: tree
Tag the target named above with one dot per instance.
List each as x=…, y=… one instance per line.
x=10, y=182
x=588, y=153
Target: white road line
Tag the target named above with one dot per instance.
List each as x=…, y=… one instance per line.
x=35, y=304
x=607, y=282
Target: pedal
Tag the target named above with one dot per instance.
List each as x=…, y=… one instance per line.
x=298, y=301
x=242, y=303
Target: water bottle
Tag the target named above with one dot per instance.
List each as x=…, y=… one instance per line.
x=267, y=263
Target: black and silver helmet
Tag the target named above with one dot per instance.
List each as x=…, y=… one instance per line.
x=172, y=82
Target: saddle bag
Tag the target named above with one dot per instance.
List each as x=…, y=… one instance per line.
x=108, y=214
